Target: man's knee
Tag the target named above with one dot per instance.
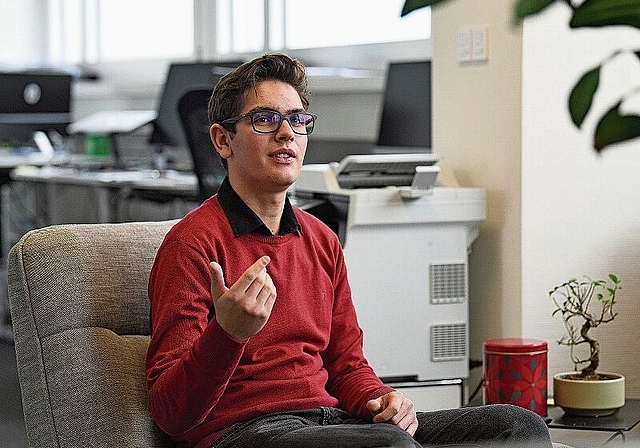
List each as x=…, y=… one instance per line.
x=493, y=424
x=511, y=413
x=521, y=424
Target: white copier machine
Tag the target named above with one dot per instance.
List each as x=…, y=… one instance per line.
x=406, y=244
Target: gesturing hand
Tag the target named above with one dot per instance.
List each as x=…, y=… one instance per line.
x=243, y=310
x=396, y=409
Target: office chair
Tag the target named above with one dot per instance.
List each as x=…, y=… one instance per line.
x=192, y=109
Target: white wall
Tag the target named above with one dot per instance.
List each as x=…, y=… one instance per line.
x=580, y=211
x=555, y=209
x=20, y=18
x=477, y=121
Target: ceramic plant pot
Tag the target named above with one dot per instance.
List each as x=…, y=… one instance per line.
x=593, y=398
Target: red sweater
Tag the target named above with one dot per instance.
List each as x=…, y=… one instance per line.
x=309, y=354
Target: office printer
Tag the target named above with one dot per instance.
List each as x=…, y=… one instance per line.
x=406, y=243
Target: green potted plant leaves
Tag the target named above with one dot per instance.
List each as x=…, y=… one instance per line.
x=614, y=125
x=585, y=304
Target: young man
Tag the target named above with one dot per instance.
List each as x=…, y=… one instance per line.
x=255, y=341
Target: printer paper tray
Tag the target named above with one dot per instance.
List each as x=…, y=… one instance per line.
x=375, y=181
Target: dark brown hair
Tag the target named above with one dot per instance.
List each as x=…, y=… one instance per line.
x=229, y=92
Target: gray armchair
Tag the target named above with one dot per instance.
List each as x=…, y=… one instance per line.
x=80, y=313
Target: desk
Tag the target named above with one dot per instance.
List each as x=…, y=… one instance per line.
x=112, y=185
x=107, y=189
x=8, y=162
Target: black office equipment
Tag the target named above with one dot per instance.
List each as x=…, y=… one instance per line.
x=31, y=102
x=181, y=78
x=192, y=109
x=383, y=170
x=406, y=112
x=405, y=124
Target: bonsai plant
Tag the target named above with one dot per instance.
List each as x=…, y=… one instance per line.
x=615, y=125
x=574, y=300
x=585, y=304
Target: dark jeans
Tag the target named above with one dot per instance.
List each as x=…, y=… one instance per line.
x=495, y=425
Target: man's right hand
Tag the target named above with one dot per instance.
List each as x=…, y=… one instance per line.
x=243, y=309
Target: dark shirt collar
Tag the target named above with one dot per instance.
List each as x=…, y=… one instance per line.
x=243, y=220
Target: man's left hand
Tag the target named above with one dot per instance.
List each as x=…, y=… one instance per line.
x=396, y=409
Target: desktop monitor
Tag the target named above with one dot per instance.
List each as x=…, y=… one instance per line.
x=406, y=110
x=31, y=102
x=405, y=125
x=182, y=77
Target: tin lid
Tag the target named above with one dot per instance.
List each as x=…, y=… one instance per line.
x=514, y=345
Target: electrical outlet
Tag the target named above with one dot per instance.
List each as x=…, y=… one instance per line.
x=463, y=45
x=479, y=44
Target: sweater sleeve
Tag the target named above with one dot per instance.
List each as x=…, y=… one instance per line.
x=351, y=379
x=190, y=358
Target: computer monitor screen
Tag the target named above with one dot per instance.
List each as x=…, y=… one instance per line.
x=182, y=77
x=31, y=102
x=406, y=111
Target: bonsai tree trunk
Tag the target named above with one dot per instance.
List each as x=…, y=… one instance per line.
x=594, y=352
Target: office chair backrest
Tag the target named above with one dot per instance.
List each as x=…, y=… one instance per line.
x=192, y=109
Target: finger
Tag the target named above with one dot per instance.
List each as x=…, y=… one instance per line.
x=388, y=409
x=260, y=287
x=393, y=408
x=411, y=429
x=218, y=286
x=271, y=301
x=268, y=299
x=263, y=290
x=249, y=276
x=384, y=416
x=374, y=406
x=270, y=292
x=404, y=418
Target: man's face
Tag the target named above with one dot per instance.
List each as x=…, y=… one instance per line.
x=266, y=162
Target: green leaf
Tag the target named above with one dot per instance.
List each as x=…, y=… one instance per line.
x=606, y=12
x=526, y=8
x=412, y=5
x=614, y=127
x=614, y=278
x=582, y=94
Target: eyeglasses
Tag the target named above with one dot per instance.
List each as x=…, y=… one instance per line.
x=269, y=121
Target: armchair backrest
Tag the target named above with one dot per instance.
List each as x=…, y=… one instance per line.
x=80, y=315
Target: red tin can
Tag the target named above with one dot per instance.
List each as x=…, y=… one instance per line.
x=515, y=372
